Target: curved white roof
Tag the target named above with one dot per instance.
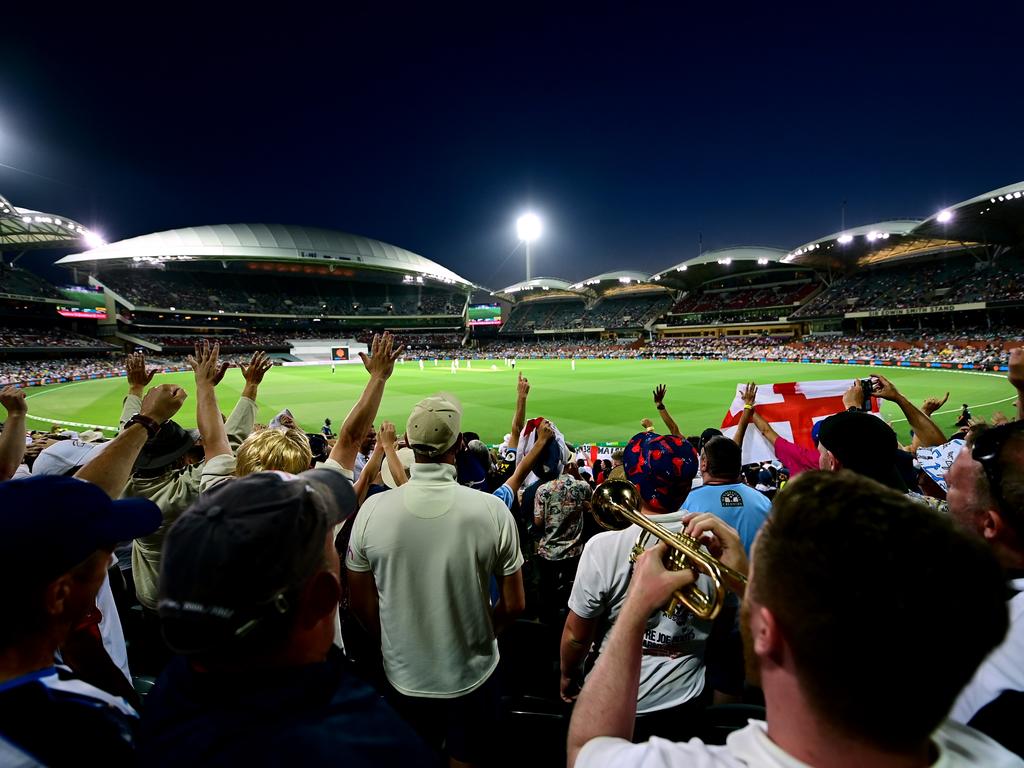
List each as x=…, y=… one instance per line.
x=758, y=253
x=869, y=231
x=1003, y=194
x=25, y=228
x=537, y=283
x=266, y=242
x=621, y=276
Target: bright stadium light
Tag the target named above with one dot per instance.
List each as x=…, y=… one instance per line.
x=528, y=227
x=844, y=239
x=944, y=216
x=93, y=239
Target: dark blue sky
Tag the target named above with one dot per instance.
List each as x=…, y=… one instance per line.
x=630, y=132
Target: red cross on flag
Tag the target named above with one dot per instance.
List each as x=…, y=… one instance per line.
x=792, y=409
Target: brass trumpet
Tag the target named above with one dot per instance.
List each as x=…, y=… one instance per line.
x=616, y=504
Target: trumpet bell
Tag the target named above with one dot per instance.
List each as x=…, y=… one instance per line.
x=611, y=500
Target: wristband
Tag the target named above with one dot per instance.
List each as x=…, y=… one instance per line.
x=748, y=407
x=149, y=424
x=661, y=406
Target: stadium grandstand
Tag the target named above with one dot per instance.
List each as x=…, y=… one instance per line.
x=950, y=287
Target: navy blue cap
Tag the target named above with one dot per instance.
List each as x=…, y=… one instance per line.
x=49, y=524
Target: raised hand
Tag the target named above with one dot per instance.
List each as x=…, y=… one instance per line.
x=885, y=389
x=257, y=368
x=381, y=361
x=386, y=437
x=932, y=404
x=138, y=376
x=162, y=402
x=522, y=386
x=545, y=431
x=659, y=394
x=854, y=396
x=13, y=399
x=749, y=394
x=646, y=423
x=206, y=364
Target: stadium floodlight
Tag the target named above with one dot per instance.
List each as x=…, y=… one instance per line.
x=944, y=216
x=844, y=239
x=528, y=227
x=93, y=239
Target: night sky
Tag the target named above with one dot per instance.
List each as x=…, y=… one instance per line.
x=632, y=132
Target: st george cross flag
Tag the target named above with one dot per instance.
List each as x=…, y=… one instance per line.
x=792, y=409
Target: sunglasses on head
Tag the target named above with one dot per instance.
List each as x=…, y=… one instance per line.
x=987, y=447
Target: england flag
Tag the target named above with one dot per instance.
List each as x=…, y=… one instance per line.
x=792, y=409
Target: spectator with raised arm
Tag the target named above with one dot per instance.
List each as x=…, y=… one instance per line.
x=519, y=414
x=285, y=448
x=926, y=431
x=161, y=473
x=659, y=403
x=380, y=364
x=57, y=535
x=12, y=440
x=794, y=457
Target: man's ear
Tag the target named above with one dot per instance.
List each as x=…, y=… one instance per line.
x=320, y=599
x=991, y=524
x=768, y=641
x=56, y=595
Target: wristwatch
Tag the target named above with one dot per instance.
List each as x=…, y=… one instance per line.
x=150, y=424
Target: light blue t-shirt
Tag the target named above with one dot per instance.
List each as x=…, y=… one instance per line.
x=742, y=507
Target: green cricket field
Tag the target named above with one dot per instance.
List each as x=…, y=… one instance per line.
x=601, y=401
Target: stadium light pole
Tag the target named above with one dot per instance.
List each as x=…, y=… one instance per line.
x=528, y=227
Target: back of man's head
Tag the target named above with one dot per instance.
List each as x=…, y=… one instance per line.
x=723, y=458
x=862, y=583
x=863, y=443
x=236, y=566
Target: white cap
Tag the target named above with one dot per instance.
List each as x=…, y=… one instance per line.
x=405, y=455
x=62, y=457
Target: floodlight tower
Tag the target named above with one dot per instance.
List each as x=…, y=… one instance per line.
x=528, y=226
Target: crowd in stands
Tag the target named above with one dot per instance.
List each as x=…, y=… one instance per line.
x=828, y=347
x=951, y=281
x=264, y=294
x=744, y=297
x=400, y=594
x=979, y=347
x=52, y=337
x=253, y=340
x=21, y=282
x=631, y=312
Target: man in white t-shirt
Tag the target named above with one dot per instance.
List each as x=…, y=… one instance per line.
x=850, y=667
x=986, y=496
x=661, y=467
x=420, y=561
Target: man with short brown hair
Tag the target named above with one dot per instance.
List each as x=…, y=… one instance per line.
x=833, y=697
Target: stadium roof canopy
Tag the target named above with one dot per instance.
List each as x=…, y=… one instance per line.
x=994, y=218
x=622, y=277
x=263, y=242
x=22, y=229
x=716, y=263
x=537, y=286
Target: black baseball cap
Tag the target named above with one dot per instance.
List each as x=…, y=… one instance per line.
x=51, y=523
x=864, y=444
x=236, y=557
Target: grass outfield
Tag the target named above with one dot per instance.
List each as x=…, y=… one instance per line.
x=601, y=401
